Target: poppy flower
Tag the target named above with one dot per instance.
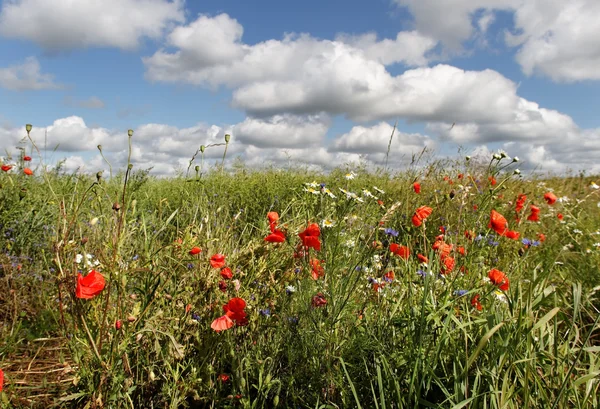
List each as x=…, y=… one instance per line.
x=276, y=236
x=318, y=300
x=222, y=323
x=420, y=215
x=462, y=251
x=273, y=219
x=475, y=302
x=89, y=286
x=492, y=180
x=469, y=234
x=444, y=249
x=542, y=237
x=447, y=265
x=514, y=235
x=550, y=198
x=226, y=273
x=417, y=187
x=499, y=279
x=317, y=269
x=27, y=158
x=389, y=276
x=1, y=380
x=234, y=309
x=520, y=203
x=401, y=251
x=217, y=261
x=535, y=214
x=195, y=250
x=223, y=377
x=498, y=223
x=460, y=176
x=223, y=286
x=28, y=171
x=560, y=216
x=422, y=258
x=6, y=168
x=310, y=236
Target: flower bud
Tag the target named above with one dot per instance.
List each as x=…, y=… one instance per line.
x=467, y=158
x=118, y=325
x=227, y=138
x=202, y=147
x=130, y=133
x=28, y=128
x=517, y=172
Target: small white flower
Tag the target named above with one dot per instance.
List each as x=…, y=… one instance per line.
x=350, y=176
x=517, y=172
x=312, y=184
x=497, y=156
x=500, y=296
x=328, y=193
x=367, y=193
x=290, y=289
x=311, y=190
x=78, y=258
x=515, y=159
x=594, y=186
x=381, y=192
x=327, y=223
x=349, y=243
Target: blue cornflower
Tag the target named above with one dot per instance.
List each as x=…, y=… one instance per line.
x=195, y=317
x=266, y=312
x=391, y=232
x=460, y=293
x=422, y=273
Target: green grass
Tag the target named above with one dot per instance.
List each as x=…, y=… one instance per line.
x=416, y=343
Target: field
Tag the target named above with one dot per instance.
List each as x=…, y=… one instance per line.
x=447, y=284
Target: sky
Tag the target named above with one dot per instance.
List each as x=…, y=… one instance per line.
x=315, y=83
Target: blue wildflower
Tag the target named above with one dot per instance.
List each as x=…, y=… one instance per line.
x=391, y=232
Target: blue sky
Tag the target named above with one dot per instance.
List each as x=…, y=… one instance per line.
x=319, y=82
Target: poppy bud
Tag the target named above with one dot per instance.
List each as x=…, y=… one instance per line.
x=131, y=318
x=118, y=325
x=130, y=133
x=130, y=166
x=116, y=207
x=452, y=194
x=28, y=128
x=227, y=138
x=202, y=147
x=100, y=148
x=99, y=176
x=84, y=240
x=197, y=168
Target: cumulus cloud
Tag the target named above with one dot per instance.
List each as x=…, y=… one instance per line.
x=282, y=131
x=26, y=77
x=65, y=24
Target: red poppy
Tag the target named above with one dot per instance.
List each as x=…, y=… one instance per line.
x=277, y=236
x=492, y=180
x=475, y=302
x=514, y=235
x=378, y=287
x=535, y=214
x=223, y=377
x=417, y=187
x=460, y=176
x=401, y=251
x=235, y=309
x=195, y=250
x=462, y=251
x=447, y=265
x=28, y=171
x=27, y=158
x=317, y=269
x=444, y=249
x=217, y=261
x=310, y=236
x=421, y=214
x=223, y=286
x=520, y=202
x=118, y=324
x=499, y=279
x=560, y=216
x=550, y=198
x=469, y=234
x=389, y=276
x=319, y=300
x=226, y=273
x=498, y=223
x=273, y=218
x=1, y=380
x=422, y=258
x=222, y=323
x=542, y=237
x=6, y=168
x=89, y=286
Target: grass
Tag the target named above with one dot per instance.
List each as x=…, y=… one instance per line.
x=412, y=341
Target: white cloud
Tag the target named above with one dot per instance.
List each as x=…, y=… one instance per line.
x=282, y=131
x=26, y=77
x=66, y=24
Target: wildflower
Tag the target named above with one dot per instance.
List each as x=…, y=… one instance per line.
x=516, y=172
x=312, y=184
x=391, y=232
x=498, y=223
x=560, y=216
x=310, y=237
x=217, y=261
x=6, y=168
x=593, y=185
x=535, y=214
x=277, y=236
x=462, y=251
x=1, y=380
x=28, y=171
x=195, y=250
x=401, y=251
x=311, y=190
x=273, y=219
x=226, y=273
x=475, y=302
x=223, y=286
x=520, y=202
x=27, y=158
x=329, y=193
x=499, y=279
x=460, y=293
x=222, y=323
x=420, y=215
x=328, y=223
x=389, y=276
x=515, y=159
x=318, y=300
x=223, y=377
x=550, y=198
x=379, y=190
x=317, y=269
x=497, y=156
x=350, y=176
x=367, y=193
x=89, y=286
x=447, y=265
x=290, y=289
x=118, y=325
x=492, y=180
x=265, y=312
x=512, y=235
x=422, y=258
x=417, y=187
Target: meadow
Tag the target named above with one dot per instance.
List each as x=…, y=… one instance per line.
x=448, y=284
